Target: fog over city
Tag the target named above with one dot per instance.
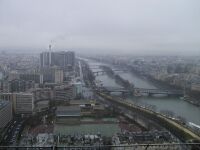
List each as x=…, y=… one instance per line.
x=141, y=27
x=100, y=74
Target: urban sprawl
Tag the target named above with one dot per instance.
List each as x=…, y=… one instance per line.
x=56, y=98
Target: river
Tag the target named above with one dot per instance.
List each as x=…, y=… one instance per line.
x=179, y=107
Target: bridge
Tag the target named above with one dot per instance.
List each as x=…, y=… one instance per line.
x=139, y=91
x=158, y=91
x=102, y=72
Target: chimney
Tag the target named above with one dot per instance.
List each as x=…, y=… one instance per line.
x=49, y=54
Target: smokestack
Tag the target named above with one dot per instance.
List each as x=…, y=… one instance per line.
x=49, y=47
x=49, y=54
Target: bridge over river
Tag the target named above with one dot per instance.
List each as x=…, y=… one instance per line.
x=102, y=72
x=139, y=91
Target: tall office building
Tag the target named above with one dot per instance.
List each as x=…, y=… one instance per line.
x=45, y=59
x=64, y=60
x=69, y=58
x=5, y=113
x=52, y=75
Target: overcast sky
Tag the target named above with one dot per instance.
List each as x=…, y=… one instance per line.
x=114, y=26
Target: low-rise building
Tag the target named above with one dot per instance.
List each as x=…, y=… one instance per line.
x=78, y=90
x=23, y=103
x=68, y=114
x=63, y=94
x=41, y=94
x=37, y=78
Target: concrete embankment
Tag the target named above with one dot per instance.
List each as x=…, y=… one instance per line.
x=177, y=129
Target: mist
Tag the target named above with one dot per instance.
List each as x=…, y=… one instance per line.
x=140, y=27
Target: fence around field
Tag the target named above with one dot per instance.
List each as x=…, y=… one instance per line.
x=171, y=146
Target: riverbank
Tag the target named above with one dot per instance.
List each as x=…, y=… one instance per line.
x=118, y=79
x=179, y=130
x=194, y=97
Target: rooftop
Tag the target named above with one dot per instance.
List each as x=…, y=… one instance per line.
x=66, y=111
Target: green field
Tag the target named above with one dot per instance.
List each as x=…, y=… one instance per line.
x=103, y=129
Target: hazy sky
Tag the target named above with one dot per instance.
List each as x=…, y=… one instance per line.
x=124, y=26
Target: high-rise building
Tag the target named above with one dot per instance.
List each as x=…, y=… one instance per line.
x=69, y=58
x=52, y=75
x=5, y=113
x=64, y=60
x=45, y=59
x=58, y=76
